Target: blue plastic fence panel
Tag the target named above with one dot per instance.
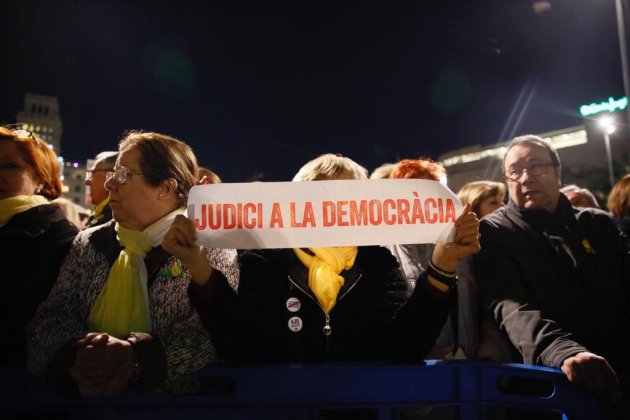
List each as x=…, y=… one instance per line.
x=303, y=391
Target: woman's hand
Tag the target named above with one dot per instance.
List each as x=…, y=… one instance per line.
x=180, y=242
x=448, y=255
x=103, y=365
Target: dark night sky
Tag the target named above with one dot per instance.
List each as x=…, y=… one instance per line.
x=260, y=87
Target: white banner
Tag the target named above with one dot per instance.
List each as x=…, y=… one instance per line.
x=323, y=213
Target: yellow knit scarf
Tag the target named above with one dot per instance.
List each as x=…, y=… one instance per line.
x=9, y=207
x=123, y=304
x=323, y=271
x=121, y=308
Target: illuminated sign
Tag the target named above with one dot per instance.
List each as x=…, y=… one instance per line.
x=609, y=106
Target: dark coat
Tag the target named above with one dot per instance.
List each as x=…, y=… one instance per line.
x=104, y=217
x=33, y=244
x=557, y=284
x=372, y=320
x=623, y=223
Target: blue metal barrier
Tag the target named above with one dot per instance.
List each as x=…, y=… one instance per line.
x=304, y=391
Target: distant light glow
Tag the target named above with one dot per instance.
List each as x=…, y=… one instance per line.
x=609, y=106
x=608, y=124
x=75, y=165
x=541, y=7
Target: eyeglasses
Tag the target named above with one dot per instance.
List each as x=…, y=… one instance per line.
x=25, y=133
x=89, y=174
x=535, y=169
x=120, y=174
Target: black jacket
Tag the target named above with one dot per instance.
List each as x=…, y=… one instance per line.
x=33, y=244
x=557, y=284
x=373, y=319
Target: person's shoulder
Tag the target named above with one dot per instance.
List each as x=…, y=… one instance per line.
x=44, y=220
x=598, y=217
x=592, y=213
x=495, y=219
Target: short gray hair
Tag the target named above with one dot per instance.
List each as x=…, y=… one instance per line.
x=106, y=158
x=534, y=141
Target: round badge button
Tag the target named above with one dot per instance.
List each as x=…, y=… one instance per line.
x=295, y=323
x=293, y=304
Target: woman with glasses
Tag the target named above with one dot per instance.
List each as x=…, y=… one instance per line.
x=119, y=313
x=34, y=234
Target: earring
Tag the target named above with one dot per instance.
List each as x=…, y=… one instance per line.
x=38, y=189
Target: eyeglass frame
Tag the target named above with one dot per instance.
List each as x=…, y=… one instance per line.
x=21, y=132
x=89, y=174
x=535, y=169
x=120, y=174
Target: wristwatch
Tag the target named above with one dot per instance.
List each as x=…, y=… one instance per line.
x=132, y=339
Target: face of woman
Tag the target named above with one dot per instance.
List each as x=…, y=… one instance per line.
x=490, y=204
x=17, y=177
x=135, y=204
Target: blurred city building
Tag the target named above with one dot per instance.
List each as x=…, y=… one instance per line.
x=41, y=116
x=73, y=182
x=582, y=153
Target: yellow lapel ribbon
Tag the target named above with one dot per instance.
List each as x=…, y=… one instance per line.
x=323, y=271
x=9, y=207
x=122, y=306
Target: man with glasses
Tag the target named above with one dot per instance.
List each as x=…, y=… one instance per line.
x=556, y=278
x=99, y=197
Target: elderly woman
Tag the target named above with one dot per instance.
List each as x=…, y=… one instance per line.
x=119, y=312
x=34, y=234
x=327, y=304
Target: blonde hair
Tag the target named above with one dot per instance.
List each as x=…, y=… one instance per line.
x=330, y=166
x=619, y=198
x=383, y=171
x=477, y=191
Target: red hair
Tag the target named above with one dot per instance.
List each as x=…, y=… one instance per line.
x=40, y=157
x=418, y=169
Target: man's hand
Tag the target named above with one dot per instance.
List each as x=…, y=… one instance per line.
x=592, y=374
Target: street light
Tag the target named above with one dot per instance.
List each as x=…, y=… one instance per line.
x=608, y=124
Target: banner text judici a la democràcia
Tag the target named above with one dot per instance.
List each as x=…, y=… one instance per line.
x=323, y=213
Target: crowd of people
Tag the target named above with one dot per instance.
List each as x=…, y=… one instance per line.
x=537, y=277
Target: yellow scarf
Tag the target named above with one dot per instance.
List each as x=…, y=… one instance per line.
x=323, y=271
x=9, y=207
x=123, y=304
x=99, y=208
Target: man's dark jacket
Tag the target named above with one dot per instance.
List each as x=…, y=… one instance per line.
x=557, y=284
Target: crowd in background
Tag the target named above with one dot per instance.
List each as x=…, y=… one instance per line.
x=121, y=297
